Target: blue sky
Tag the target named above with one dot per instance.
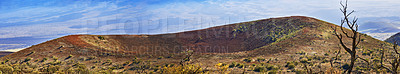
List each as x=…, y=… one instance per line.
x=41, y=20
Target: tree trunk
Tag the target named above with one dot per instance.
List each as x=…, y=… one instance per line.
x=353, y=60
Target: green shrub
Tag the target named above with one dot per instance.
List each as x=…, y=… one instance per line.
x=290, y=65
x=346, y=66
x=44, y=59
x=82, y=59
x=304, y=60
x=247, y=60
x=376, y=60
x=326, y=54
x=30, y=53
x=70, y=56
x=101, y=37
x=325, y=61
x=56, y=63
x=27, y=59
x=6, y=60
x=309, y=59
x=126, y=63
x=55, y=58
x=233, y=64
x=6, y=69
x=36, y=60
x=260, y=59
x=240, y=65
x=272, y=67
x=108, y=61
x=366, y=53
x=91, y=58
x=160, y=57
x=259, y=69
x=273, y=72
x=53, y=69
x=301, y=53
x=185, y=69
x=300, y=71
x=361, y=68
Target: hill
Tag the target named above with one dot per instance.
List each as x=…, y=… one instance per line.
x=268, y=44
x=393, y=38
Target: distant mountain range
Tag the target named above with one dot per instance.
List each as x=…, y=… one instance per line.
x=393, y=38
x=380, y=27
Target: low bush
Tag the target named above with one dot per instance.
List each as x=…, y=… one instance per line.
x=6, y=69
x=160, y=57
x=247, y=60
x=44, y=59
x=260, y=59
x=290, y=65
x=186, y=69
x=259, y=69
x=101, y=37
x=233, y=64
x=273, y=72
x=27, y=59
x=70, y=56
x=55, y=58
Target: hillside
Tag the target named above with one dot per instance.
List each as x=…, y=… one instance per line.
x=395, y=37
x=276, y=40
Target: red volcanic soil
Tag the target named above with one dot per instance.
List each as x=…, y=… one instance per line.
x=75, y=40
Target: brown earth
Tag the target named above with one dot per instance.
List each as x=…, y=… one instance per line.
x=275, y=38
x=220, y=39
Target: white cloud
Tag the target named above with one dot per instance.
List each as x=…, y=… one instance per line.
x=381, y=36
x=14, y=50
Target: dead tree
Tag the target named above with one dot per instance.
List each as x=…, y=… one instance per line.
x=395, y=63
x=353, y=35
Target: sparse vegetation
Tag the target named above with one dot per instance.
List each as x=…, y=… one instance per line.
x=260, y=59
x=247, y=60
x=70, y=56
x=101, y=37
x=160, y=57
x=274, y=46
x=27, y=59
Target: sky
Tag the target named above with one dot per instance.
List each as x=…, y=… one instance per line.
x=27, y=22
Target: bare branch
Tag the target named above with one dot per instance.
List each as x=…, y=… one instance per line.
x=386, y=68
x=350, y=13
x=359, y=39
